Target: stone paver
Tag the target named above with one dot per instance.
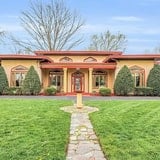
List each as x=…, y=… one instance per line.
x=83, y=143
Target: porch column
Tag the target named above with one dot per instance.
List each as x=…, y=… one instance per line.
x=65, y=80
x=90, y=80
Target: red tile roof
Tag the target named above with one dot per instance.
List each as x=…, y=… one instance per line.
x=77, y=53
x=24, y=57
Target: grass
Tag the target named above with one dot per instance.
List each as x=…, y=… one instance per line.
x=33, y=129
x=128, y=130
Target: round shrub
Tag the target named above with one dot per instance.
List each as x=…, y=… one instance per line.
x=50, y=90
x=105, y=91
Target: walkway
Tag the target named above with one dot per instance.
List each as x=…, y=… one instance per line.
x=83, y=143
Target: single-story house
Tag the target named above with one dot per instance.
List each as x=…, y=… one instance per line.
x=72, y=71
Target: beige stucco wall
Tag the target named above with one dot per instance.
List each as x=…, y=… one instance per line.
x=147, y=65
x=9, y=64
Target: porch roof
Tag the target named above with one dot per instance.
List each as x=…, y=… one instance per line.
x=79, y=65
x=132, y=57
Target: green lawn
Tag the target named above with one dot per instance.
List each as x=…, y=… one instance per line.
x=33, y=129
x=128, y=130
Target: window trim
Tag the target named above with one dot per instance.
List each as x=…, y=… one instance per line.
x=138, y=70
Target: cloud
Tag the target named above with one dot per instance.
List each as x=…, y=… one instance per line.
x=125, y=28
x=127, y=18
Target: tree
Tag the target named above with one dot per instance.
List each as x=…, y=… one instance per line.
x=2, y=34
x=153, y=79
x=50, y=26
x=31, y=84
x=3, y=80
x=124, y=83
x=108, y=42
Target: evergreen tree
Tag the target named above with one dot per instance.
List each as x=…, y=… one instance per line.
x=124, y=83
x=153, y=80
x=31, y=84
x=3, y=80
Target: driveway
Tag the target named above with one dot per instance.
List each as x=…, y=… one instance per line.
x=85, y=98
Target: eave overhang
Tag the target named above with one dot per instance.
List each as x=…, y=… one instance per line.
x=111, y=66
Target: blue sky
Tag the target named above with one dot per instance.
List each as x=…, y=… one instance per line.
x=138, y=20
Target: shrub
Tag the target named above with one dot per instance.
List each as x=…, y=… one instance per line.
x=31, y=83
x=124, y=83
x=50, y=90
x=105, y=91
x=3, y=80
x=153, y=80
x=143, y=91
x=15, y=91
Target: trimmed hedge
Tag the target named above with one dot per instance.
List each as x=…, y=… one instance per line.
x=31, y=83
x=14, y=91
x=105, y=91
x=124, y=83
x=153, y=80
x=3, y=81
x=143, y=91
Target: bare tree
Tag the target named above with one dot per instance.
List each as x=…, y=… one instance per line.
x=50, y=26
x=107, y=41
x=2, y=34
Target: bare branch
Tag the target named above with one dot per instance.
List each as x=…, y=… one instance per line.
x=107, y=41
x=50, y=26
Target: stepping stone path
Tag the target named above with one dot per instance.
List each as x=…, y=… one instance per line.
x=83, y=143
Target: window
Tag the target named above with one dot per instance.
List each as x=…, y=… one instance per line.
x=138, y=75
x=99, y=79
x=56, y=79
x=18, y=75
x=90, y=59
x=66, y=59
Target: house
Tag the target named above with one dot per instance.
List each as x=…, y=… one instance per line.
x=72, y=71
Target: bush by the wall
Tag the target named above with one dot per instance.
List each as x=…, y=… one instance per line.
x=13, y=91
x=124, y=83
x=103, y=91
x=3, y=80
x=31, y=83
x=153, y=80
x=50, y=90
x=143, y=91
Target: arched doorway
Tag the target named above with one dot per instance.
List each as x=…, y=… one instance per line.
x=77, y=81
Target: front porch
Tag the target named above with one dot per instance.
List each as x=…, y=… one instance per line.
x=69, y=79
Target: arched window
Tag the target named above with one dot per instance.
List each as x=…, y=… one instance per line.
x=99, y=78
x=18, y=75
x=138, y=75
x=90, y=59
x=66, y=59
